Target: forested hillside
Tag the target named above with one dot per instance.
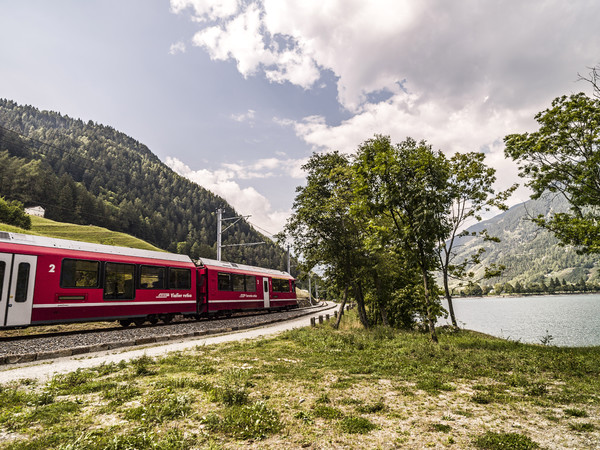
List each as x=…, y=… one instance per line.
x=87, y=173
x=531, y=255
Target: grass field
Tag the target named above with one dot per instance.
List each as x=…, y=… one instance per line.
x=86, y=233
x=320, y=388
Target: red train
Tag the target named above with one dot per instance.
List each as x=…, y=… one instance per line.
x=45, y=281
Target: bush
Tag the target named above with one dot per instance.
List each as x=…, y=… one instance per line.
x=13, y=213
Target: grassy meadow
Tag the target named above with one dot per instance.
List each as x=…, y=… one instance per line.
x=86, y=233
x=320, y=388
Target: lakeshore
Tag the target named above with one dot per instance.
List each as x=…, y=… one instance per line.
x=571, y=320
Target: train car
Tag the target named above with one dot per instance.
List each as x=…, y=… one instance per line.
x=225, y=287
x=45, y=280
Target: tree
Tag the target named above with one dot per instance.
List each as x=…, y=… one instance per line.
x=407, y=182
x=324, y=230
x=593, y=79
x=563, y=157
x=470, y=192
x=12, y=213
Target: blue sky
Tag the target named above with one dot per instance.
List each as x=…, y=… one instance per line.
x=237, y=94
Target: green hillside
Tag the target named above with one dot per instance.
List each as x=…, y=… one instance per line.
x=89, y=233
x=87, y=173
x=530, y=254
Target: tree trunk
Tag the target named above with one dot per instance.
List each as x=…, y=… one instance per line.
x=380, y=303
x=449, y=299
x=360, y=301
x=430, y=322
x=341, y=312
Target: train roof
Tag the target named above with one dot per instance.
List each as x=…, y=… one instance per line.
x=212, y=263
x=43, y=241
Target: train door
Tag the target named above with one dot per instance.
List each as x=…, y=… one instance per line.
x=266, y=292
x=17, y=280
x=201, y=292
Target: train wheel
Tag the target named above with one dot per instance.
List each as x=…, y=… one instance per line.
x=125, y=322
x=166, y=318
x=139, y=322
x=153, y=319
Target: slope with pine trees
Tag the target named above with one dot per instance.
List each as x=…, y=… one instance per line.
x=87, y=173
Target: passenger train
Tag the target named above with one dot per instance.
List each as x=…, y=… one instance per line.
x=47, y=281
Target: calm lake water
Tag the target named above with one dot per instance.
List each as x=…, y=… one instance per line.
x=571, y=320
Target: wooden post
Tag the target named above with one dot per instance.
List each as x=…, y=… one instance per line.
x=313, y=322
x=320, y=319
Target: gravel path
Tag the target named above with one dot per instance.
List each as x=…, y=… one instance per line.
x=51, y=347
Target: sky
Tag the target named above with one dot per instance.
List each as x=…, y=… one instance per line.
x=237, y=94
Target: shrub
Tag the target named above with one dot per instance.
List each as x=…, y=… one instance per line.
x=13, y=213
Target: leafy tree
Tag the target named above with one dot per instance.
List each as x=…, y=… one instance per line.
x=322, y=227
x=471, y=193
x=563, y=157
x=13, y=213
x=407, y=182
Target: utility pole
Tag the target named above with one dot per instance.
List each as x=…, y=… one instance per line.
x=220, y=232
x=288, y=259
x=309, y=288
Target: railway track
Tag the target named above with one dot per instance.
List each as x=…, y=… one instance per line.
x=45, y=346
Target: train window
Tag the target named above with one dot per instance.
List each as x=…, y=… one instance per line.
x=118, y=281
x=180, y=278
x=2, y=269
x=224, y=283
x=281, y=285
x=22, y=283
x=237, y=282
x=79, y=273
x=152, y=277
x=250, y=283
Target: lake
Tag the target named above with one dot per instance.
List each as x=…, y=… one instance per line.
x=571, y=320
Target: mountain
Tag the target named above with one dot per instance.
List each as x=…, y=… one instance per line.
x=88, y=173
x=530, y=254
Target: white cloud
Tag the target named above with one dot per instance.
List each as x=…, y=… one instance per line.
x=451, y=52
x=240, y=39
x=223, y=182
x=206, y=9
x=178, y=47
x=248, y=116
x=461, y=75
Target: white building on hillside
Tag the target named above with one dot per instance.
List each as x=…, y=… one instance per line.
x=35, y=211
